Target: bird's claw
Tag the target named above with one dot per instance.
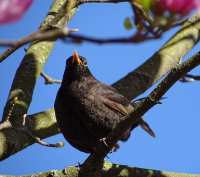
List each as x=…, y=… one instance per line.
x=113, y=149
x=103, y=140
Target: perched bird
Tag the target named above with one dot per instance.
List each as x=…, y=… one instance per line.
x=88, y=110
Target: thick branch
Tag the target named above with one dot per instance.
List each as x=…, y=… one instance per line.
x=111, y=170
x=32, y=63
x=148, y=73
x=42, y=124
x=21, y=91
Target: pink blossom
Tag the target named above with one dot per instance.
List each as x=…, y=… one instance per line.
x=179, y=6
x=12, y=10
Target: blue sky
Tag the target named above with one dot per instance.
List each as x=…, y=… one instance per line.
x=176, y=122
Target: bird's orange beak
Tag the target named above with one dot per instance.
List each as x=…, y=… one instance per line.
x=76, y=58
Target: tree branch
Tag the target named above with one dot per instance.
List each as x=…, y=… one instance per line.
x=139, y=80
x=53, y=34
x=136, y=38
x=21, y=91
x=79, y=2
x=190, y=78
x=110, y=169
x=50, y=35
x=42, y=124
x=26, y=130
x=38, y=35
x=50, y=80
x=36, y=55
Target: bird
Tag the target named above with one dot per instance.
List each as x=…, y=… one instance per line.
x=87, y=110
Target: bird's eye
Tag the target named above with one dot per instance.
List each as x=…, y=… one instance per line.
x=76, y=60
x=84, y=62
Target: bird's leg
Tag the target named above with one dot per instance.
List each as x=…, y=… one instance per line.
x=113, y=149
x=103, y=140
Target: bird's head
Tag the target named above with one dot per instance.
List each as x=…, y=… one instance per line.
x=76, y=67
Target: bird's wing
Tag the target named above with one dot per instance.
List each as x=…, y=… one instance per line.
x=117, y=102
x=112, y=99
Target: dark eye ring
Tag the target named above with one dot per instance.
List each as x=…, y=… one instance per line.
x=84, y=62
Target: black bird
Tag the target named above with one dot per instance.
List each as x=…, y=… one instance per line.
x=88, y=110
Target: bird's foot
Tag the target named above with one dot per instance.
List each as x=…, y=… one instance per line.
x=103, y=140
x=113, y=149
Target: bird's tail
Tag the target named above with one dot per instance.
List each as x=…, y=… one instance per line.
x=145, y=126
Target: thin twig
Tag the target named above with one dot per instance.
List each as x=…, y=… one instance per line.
x=190, y=78
x=195, y=77
x=50, y=80
x=139, y=10
x=36, y=36
x=62, y=33
x=25, y=130
x=136, y=38
x=41, y=142
x=79, y=2
x=145, y=20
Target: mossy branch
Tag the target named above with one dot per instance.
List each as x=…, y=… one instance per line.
x=20, y=96
x=31, y=66
x=139, y=80
x=110, y=170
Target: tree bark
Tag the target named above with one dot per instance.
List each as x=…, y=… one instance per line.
x=111, y=170
x=20, y=96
